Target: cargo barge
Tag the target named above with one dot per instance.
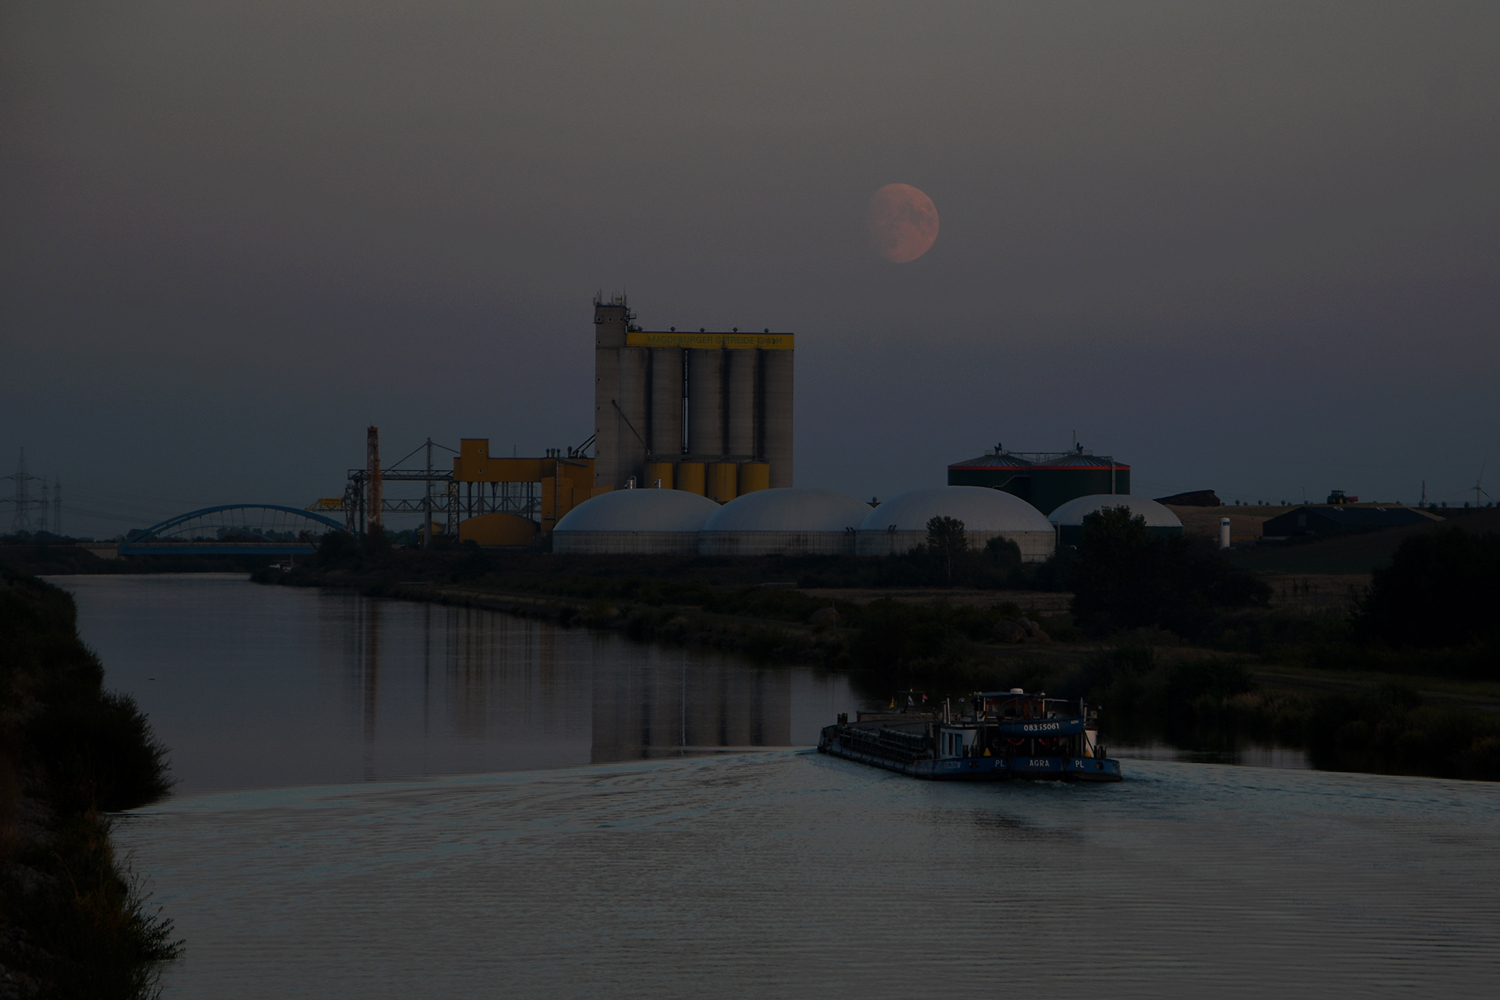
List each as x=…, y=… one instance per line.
x=994, y=736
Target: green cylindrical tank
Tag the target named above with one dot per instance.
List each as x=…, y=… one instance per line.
x=1055, y=482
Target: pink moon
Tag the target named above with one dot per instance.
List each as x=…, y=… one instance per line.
x=903, y=223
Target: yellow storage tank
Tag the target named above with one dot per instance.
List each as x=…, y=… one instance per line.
x=690, y=478
x=754, y=476
x=723, y=479
x=498, y=529
x=659, y=470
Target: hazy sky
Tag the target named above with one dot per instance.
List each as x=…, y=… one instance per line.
x=1248, y=247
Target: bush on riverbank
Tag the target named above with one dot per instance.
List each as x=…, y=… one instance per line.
x=1391, y=730
x=1428, y=614
x=341, y=556
x=1125, y=578
x=75, y=923
x=1440, y=591
x=1213, y=703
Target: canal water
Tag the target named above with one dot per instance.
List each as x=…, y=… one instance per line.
x=396, y=800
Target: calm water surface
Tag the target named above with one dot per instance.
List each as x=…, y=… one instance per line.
x=597, y=855
x=264, y=687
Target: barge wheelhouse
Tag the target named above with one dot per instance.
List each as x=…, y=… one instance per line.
x=994, y=736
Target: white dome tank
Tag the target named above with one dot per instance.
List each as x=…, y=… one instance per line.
x=634, y=522
x=900, y=524
x=1069, y=517
x=784, y=522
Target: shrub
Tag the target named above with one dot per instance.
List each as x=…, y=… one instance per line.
x=1126, y=578
x=99, y=754
x=1440, y=590
x=947, y=545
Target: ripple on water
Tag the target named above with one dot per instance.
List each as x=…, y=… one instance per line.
x=787, y=874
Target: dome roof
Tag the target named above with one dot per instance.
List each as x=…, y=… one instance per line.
x=639, y=510
x=789, y=510
x=978, y=507
x=1074, y=511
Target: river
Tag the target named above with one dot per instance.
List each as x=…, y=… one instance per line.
x=380, y=799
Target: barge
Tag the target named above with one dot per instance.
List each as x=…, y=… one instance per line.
x=994, y=736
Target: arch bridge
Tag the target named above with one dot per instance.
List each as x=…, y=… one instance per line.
x=234, y=529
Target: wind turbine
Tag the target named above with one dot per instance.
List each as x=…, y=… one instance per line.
x=1479, y=484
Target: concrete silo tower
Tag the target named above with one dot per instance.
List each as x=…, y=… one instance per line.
x=707, y=412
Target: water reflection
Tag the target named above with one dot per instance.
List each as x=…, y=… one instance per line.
x=266, y=686
x=1244, y=754
x=651, y=709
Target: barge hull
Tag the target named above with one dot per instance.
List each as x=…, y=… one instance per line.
x=1089, y=769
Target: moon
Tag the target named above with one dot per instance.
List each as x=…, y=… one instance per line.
x=903, y=223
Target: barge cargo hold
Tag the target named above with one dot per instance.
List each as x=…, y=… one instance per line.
x=998, y=736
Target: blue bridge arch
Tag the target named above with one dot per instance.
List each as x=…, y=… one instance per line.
x=235, y=529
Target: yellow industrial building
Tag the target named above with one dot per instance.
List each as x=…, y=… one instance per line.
x=480, y=480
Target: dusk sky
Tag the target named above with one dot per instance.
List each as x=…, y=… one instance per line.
x=1247, y=247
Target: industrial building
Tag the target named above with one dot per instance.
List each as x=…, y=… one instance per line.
x=1046, y=480
x=483, y=498
x=1068, y=518
x=784, y=522
x=655, y=521
x=692, y=452
x=1341, y=519
x=705, y=413
x=900, y=524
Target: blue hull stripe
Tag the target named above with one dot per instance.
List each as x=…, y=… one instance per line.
x=992, y=768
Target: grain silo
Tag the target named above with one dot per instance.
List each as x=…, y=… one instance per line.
x=900, y=524
x=634, y=522
x=706, y=412
x=784, y=522
x=1068, y=519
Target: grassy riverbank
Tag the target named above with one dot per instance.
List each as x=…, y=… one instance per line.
x=75, y=923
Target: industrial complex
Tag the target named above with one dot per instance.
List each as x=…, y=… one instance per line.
x=692, y=453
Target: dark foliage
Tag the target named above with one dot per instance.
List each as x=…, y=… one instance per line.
x=85, y=931
x=1182, y=699
x=902, y=642
x=1125, y=578
x=1440, y=590
x=99, y=753
x=376, y=543
x=337, y=548
x=1391, y=730
x=947, y=545
x=996, y=566
x=476, y=562
x=73, y=921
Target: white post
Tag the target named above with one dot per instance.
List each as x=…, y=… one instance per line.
x=1223, y=532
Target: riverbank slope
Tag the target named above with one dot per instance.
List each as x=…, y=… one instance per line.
x=74, y=922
